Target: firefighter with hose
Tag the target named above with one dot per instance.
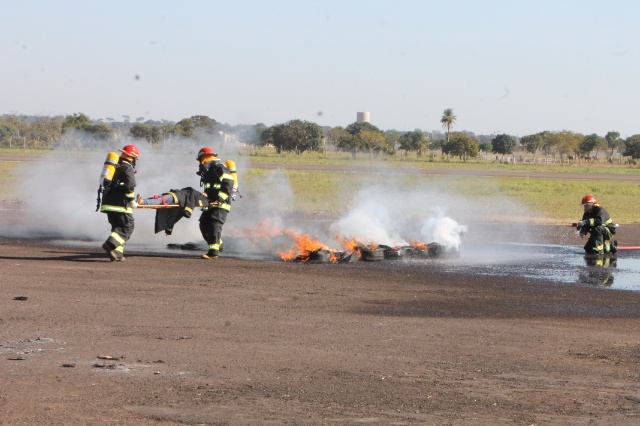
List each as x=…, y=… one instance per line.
x=597, y=222
x=118, y=202
x=218, y=183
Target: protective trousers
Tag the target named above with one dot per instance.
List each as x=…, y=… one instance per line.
x=211, y=223
x=599, y=241
x=122, y=225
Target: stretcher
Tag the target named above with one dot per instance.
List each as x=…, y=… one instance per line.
x=157, y=206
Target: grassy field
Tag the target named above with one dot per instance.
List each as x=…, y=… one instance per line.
x=6, y=180
x=549, y=200
x=329, y=192
x=269, y=155
x=557, y=200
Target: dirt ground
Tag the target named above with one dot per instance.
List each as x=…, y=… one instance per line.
x=166, y=340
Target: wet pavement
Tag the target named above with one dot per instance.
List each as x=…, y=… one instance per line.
x=556, y=263
x=562, y=264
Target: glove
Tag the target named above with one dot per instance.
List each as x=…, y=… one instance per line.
x=582, y=224
x=133, y=204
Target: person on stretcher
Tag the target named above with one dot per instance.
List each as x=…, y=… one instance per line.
x=174, y=197
x=156, y=200
x=180, y=203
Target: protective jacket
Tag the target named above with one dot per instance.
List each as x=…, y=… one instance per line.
x=218, y=184
x=119, y=194
x=187, y=199
x=597, y=216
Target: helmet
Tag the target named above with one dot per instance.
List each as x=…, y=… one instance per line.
x=205, y=151
x=130, y=150
x=588, y=199
x=231, y=165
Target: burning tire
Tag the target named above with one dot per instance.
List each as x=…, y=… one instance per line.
x=371, y=255
x=319, y=256
x=436, y=249
x=392, y=253
x=419, y=253
x=441, y=251
x=347, y=257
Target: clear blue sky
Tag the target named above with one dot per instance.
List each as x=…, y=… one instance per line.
x=507, y=66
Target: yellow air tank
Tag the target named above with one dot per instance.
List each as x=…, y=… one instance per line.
x=109, y=169
x=231, y=165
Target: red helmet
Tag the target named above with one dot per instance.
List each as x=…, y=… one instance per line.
x=205, y=151
x=130, y=150
x=587, y=199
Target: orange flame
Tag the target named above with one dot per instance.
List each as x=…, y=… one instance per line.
x=350, y=245
x=304, y=246
x=419, y=245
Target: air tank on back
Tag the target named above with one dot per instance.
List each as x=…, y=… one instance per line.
x=231, y=165
x=109, y=169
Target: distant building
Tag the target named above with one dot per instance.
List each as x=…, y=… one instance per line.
x=364, y=117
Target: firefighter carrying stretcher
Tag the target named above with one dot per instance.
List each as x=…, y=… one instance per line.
x=597, y=222
x=118, y=199
x=218, y=184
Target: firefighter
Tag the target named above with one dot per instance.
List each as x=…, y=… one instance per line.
x=118, y=201
x=597, y=222
x=218, y=183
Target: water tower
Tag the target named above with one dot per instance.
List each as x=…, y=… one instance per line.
x=364, y=117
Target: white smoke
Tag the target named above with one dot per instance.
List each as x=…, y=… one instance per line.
x=443, y=230
x=369, y=221
x=380, y=214
x=265, y=196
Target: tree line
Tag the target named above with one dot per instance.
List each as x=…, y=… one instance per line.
x=78, y=130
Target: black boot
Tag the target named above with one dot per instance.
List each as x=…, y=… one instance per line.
x=211, y=254
x=111, y=252
x=614, y=246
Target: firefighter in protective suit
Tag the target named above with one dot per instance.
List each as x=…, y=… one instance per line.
x=597, y=222
x=118, y=201
x=218, y=182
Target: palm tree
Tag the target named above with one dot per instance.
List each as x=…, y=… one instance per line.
x=447, y=120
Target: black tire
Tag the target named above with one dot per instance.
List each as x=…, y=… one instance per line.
x=409, y=252
x=392, y=253
x=369, y=255
x=420, y=253
x=436, y=249
x=320, y=256
x=348, y=257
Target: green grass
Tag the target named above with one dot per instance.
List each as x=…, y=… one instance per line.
x=560, y=199
x=6, y=180
x=330, y=157
x=269, y=155
x=32, y=152
x=546, y=200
